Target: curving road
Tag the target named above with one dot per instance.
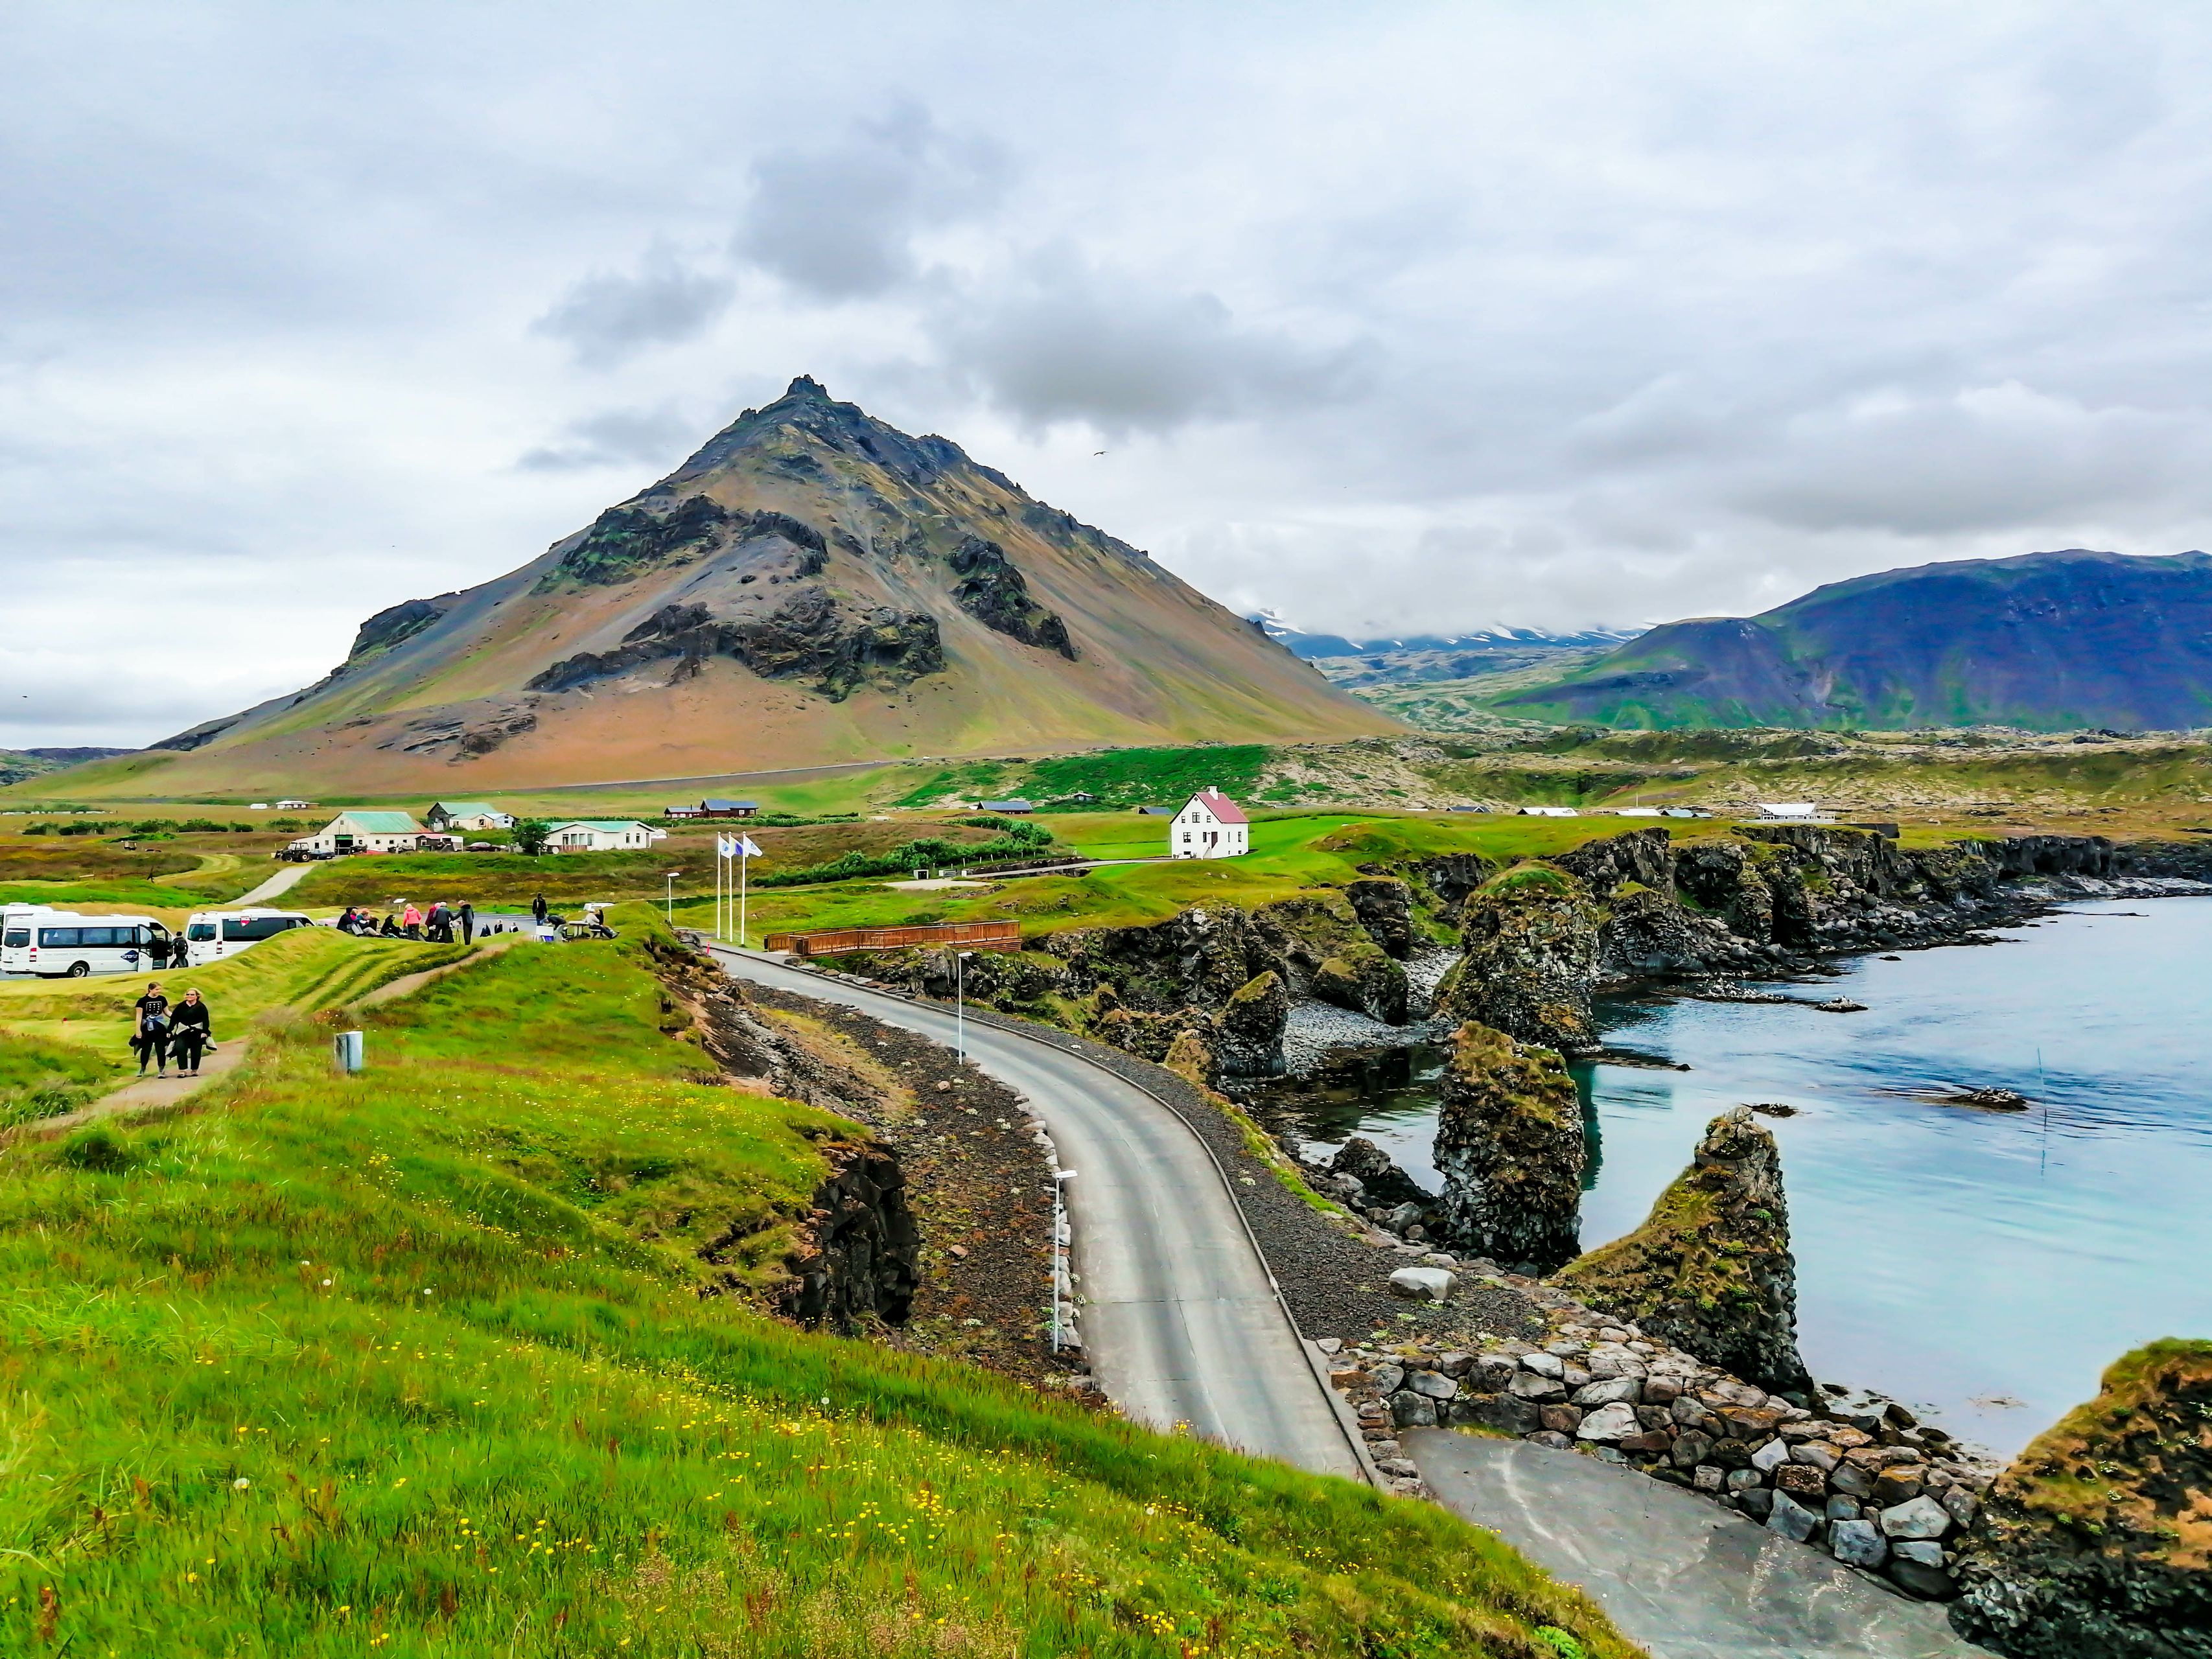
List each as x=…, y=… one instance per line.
x=1181, y=1324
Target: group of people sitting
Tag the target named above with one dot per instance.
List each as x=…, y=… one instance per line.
x=161, y=1032
x=440, y=926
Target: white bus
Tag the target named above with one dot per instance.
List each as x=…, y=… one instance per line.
x=62, y=945
x=211, y=935
x=15, y=923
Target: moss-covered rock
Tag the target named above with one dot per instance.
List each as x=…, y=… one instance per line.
x=1189, y=1058
x=1510, y=1149
x=1532, y=959
x=1709, y=1270
x=1326, y=952
x=1384, y=906
x=1247, y=1039
x=2099, y=1539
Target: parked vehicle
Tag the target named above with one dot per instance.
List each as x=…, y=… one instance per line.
x=300, y=852
x=16, y=924
x=211, y=935
x=64, y=944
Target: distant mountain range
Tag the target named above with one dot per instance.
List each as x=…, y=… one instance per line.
x=17, y=764
x=1499, y=637
x=2047, y=641
x=813, y=585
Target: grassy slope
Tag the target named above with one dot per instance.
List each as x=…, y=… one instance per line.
x=40, y=1078
x=308, y=968
x=418, y=1364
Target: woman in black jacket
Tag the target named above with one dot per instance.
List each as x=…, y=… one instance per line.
x=190, y=1030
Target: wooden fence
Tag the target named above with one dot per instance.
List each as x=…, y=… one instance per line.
x=975, y=935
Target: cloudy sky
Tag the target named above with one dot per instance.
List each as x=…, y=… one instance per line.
x=1389, y=316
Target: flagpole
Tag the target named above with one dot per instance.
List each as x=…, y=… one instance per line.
x=744, y=860
x=720, y=892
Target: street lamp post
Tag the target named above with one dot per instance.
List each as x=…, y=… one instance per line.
x=672, y=875
x=959, y=1008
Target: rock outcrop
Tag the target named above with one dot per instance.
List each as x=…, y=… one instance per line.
x=2098, y=1540
x=1247, y=1033
x=1384, y=906
x=861, y=1256
x=1510, y=1149
x=1327, y=953
x=1709, y=1270
x=1379, y=1180
x=1531, y=960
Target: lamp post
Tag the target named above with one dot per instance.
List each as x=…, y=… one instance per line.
x=959, y=1007
x=672, y=875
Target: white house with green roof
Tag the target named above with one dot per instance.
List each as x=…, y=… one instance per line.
x=450, y=815
x=364, y=832
x=603, y=836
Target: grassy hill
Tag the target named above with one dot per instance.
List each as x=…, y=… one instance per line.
x=424, y=1363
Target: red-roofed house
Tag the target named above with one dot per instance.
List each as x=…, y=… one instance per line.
x=1210, y=826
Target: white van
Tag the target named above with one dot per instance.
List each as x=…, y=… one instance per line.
x=15, y=923
x=62, y=945
x=211, y=935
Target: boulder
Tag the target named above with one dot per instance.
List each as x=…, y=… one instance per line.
x=1917, y=1517
x=2097, y=1539
x=1528, y=1385
x=1791, y=1518
x=1247, y=1032
x=1384, y=906
x=1613, y=1422
x=1381, y=1180
x=1434, y=1384
x=1858, y=1544
x=1409, y=1409
x=1423, y=1284
x=1364, y=981
x=1709, y=1270
x=1531, y=961
x=1190, y=1059
x=1609, y=1391
x=1510, y=1147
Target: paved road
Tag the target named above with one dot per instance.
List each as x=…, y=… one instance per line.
x=1180, y=1324
x=282, y=881
x=1677, y=1573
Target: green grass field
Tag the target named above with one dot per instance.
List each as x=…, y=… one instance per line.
x=42, y=1078
x=418, y=1363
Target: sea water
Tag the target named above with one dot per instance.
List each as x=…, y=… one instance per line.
x=1982, y=1266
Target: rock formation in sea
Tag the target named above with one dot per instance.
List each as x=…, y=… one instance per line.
x=1709, y=1270
x=2098, y=1540
x=1510, y=1149
x=1247, y=1033
x=1531, y=961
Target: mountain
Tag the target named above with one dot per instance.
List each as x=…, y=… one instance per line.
x=812, y=587
x=1496, y=638
x=17, y=764
x=2048, y=641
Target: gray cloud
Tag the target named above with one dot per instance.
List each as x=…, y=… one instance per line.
x=1501, y=314
x=616, y=437
x=607, y=317
x=839, y=222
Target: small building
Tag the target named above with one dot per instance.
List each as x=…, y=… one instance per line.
x=1210, y=826
x=1551, y=813
x=364, y=832
x=713, y=808
x=1791, y=811
x=1156, y=811
x=295, y=805
x=1684, y=812
x=603, y=836
x=446, y=815
x=1007, y=806
x=1466, y=809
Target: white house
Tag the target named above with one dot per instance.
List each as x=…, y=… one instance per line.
x=1791, y=811
x=369, y=832
x=1210, y=826
x=467, y=815
x=603, y=836
x=295, y=805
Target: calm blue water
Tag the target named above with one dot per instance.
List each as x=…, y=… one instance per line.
x=1982, y=1265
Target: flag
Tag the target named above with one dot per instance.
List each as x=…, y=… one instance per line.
x=725, y=847
x=745, y=846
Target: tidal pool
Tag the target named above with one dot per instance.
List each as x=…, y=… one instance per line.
x=1982, y=1265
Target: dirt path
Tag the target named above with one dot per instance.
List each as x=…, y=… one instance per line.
x=283, y=882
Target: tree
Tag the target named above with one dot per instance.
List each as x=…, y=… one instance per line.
x=530, y=834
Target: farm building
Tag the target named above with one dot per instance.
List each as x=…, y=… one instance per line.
x=467, y=815
x=1016, y=806
x=713, y=808
x=1210, y=826
x=603, y=836
x=364, y=832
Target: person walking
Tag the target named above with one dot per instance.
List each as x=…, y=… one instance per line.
x=411, y=920
x=468, y=922
x=149, y=1029
x=537, y=909
x=190, y=1031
